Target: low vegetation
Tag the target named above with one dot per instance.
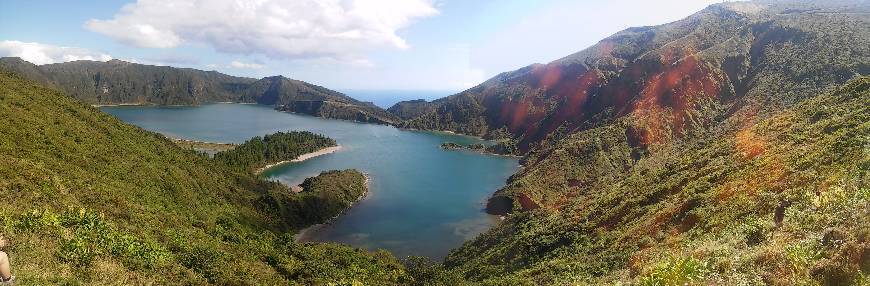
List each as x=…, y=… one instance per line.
x=502, y=147
x=322, y=197
x=332, y=192
x=728, y=148
x=210, y=148
x=779, y=201
x=98, y=201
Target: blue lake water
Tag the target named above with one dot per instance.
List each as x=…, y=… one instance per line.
x=422, y=201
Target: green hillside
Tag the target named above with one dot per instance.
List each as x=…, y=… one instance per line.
x=678, y=77
x=301, y=97
x=98, y=201
x=731, y=147
x=780, y=201
x=726, y=148
x=412, y=108
x=120, y=82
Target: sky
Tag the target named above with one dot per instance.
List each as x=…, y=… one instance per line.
x=422, y=45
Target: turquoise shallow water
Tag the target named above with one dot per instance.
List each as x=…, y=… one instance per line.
x=423, y=200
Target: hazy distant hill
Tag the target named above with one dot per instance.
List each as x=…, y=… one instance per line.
x=120, y=82
x=300, y=97
x=412, y=108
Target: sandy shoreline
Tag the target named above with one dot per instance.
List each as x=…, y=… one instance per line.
x=200, y=142
x=118, y=104
x=303, y=157
x=168, y=105
x=305, y=233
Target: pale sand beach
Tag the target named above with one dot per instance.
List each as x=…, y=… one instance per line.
x=303, y=157
x=320, y=152
x=118, y=104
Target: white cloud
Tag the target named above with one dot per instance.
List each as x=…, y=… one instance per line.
x=41, y=54
x=243, y=65
x=551, y=33
x=341, y=29
x=171, y=60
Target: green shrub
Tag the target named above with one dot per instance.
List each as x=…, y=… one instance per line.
x=205, y=260
x=78, y=251
x=675, y=271
x=754, y=230
x=802, y=256
x=426, y=272
x=85, y=235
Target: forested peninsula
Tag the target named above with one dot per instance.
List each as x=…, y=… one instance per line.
x=260, y=152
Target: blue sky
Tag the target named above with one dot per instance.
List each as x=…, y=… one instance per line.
x=445, y=45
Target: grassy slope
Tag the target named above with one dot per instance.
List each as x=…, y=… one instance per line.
x=652, y=164
x=89, y=199
x=781, y=200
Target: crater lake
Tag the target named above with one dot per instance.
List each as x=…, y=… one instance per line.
x=422, y=200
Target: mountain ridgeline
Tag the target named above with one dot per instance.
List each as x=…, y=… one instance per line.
x=673, y=78
x=728, y=147
x=120, y=82
x=412, y=108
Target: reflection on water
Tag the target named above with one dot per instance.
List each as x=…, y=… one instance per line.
x=469, y=228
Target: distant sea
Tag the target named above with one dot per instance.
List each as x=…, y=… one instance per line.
x=386, y=98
